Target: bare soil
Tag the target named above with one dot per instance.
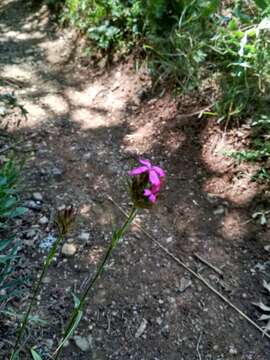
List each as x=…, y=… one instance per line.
x=86, y=127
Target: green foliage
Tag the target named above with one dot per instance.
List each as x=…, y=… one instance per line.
x=35, y=355
x=259, y=147
x=186, y=41
x=9, y=209
x=111, y=24
x=241, y=49
x=179, y=48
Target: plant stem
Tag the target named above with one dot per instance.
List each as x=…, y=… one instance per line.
x=35, y=293
x=77, y=312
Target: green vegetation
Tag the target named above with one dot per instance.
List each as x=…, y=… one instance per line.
x=186, y=42
x=9, y=209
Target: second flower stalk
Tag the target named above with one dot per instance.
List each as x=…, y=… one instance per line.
x=144, y=188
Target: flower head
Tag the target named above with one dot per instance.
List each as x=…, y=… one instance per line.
x=154, y=172
x=146, y=184
x=65, y=220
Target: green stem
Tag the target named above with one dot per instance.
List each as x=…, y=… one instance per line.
x=75, y=317
x=35, y=293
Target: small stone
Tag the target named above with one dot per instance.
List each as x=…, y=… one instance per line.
x=3, y=292
x=33, y=205
x=31, y=233
x=44, y=220
x=37, y=196
x=69, y=249
x=29, y=51
x=57, y=172
x=233, y=350
x=82, y=342
x=184, y=284
x=84, y=236
x=141, y=328
x=212, y=198
x=219, y=210
x=267, y=248
x=169, y=240
x=87, y=156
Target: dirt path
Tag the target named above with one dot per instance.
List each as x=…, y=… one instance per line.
x=85, y=129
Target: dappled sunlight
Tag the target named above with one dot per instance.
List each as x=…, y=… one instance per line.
x=239, y=191
x=55, y=103
x=38, y=114
x=15, y=73
x=89, y=120
x=85, y=97
x=215, y=144
x=233, y=225
x=139, y=139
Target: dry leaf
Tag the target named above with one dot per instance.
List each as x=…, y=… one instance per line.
x=267, y=327
x=262, y=306
x=264, y=317
x=266, y=285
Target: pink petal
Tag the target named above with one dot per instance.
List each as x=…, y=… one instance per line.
x=155, y=189
x=154, y=179
x=159, y=171
x=147, y=192
x=152, y=198
x=145, y=163
x=138, y=171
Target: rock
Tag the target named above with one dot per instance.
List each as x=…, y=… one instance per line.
x=84, y=236
x=29, y=51
x=233, y=350
x=184, y=284
x=169, y=240
x=87, y=156
x=69, y=249
x=33, y=205
x=212, y=198
x=37, y=196
x=31, y=233
x=267, y=248
x=141, y=328
x=82, y=343
x=57, y=172
x=219, y=210
x=44, y=220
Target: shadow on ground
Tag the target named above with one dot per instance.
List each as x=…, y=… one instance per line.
x=83, y=134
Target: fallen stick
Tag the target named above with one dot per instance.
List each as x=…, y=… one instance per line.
x=217, y=270
x=197, y=276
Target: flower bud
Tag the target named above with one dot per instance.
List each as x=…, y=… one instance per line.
x=65, y=220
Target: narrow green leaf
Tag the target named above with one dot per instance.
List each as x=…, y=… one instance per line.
x=71, y=330
x=35, y=355
x=4, y=244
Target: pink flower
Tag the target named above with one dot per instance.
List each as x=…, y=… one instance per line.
x=146, y=184
x=152, y=193
x=154, y=172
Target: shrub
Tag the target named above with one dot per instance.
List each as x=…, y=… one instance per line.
x=241, y=50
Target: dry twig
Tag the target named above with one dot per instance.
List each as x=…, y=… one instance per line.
x=197, y=276
x=217, y=270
